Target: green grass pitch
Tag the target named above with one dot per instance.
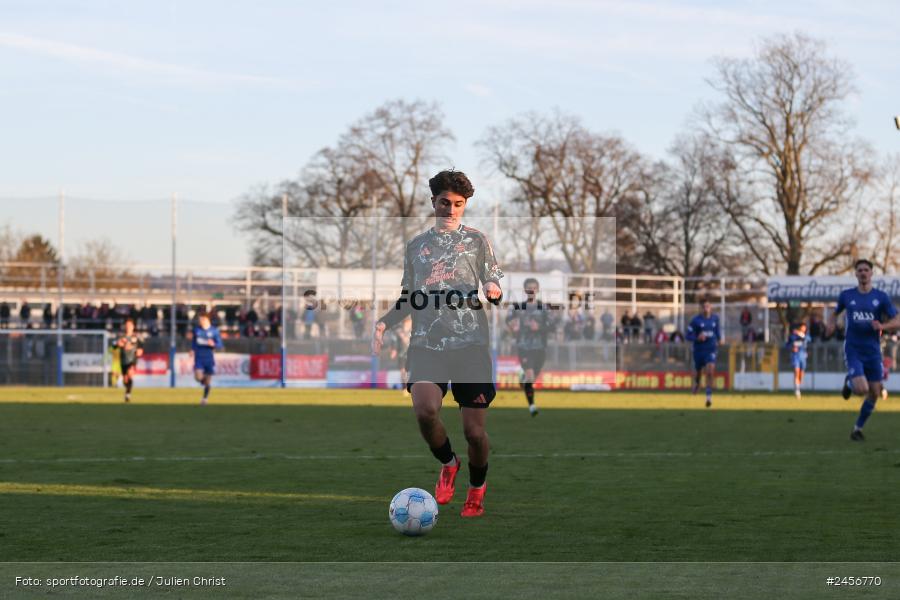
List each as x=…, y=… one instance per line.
x=306, y=476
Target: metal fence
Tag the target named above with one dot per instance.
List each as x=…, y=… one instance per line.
x=33, y=358
x=116, y=292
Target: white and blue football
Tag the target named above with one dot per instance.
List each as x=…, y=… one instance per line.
x=413, y=511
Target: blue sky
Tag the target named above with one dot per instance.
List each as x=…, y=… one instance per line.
x=124, y=102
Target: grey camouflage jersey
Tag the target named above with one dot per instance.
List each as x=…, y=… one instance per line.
x=536, y=321
x=441, y=275
x=129, y=348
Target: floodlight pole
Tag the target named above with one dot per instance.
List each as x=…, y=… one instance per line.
x=495, y=315
x=722, y=320
x=284, y=217
x=374, y=374
x=60, y=280
x=172, y=341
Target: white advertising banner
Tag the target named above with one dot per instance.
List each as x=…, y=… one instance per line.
x=232, y=370
x=754, y=381
x=826, y=288
x=76, y=362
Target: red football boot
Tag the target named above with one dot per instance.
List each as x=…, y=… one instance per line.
x=443, y=492
x=474, y=506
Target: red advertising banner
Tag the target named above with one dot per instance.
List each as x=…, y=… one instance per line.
x=664, y=380
x=153, y=364
x=299, y=366
x=508, y=377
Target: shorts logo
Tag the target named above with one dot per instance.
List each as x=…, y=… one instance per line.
x=479, y=400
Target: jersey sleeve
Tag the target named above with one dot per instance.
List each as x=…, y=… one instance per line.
x=218, y=338
x=690, y=334
x=490, y=270
x=841, y=304
x=402, y=307
x=718, y=330
x=887, y=307
x=194, y=345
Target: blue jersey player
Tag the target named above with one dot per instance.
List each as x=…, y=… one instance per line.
x=797, y=343
x=704, y=331
x=869, y=312
x=203, y=346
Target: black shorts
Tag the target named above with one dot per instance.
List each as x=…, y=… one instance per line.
x=470, y=370
x=126, y=366
x=532, y=359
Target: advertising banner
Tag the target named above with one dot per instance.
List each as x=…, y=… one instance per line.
x=299, y=366
x=826, y=288
x=82, y=362
x=508, y=373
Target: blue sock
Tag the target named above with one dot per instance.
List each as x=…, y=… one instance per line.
x=867, y=407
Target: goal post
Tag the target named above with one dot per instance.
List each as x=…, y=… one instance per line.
x=49, y=357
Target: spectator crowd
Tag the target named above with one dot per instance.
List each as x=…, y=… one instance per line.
x=149, y=319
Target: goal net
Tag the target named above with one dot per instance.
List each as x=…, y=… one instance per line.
x=52, y=357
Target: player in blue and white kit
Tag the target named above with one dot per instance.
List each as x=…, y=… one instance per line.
x=869, y=312
x=205, y=342
x=704, y=331
x=797, y=343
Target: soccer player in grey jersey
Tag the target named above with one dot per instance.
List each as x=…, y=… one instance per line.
x=531, y=321
x=442, y=271
x=130, y=350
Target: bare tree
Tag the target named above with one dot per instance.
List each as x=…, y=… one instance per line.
x=98, y=264
x=518, y=244
x=886, y=216
x=378, y=168
x=399, y=144
x=258, y=215
x=324, y=206
x=9, y=242
x=574, y=178
x=781, y=115
x=682, y=230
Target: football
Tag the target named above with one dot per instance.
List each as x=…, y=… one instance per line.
x=413, y=511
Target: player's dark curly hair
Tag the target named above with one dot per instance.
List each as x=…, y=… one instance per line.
x=451, y=181
x=863, y=261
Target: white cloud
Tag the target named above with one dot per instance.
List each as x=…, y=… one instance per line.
x=477, y=89
x=131, y=64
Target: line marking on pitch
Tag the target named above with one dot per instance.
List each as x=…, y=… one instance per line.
x=153, y=493
x=351, y=457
